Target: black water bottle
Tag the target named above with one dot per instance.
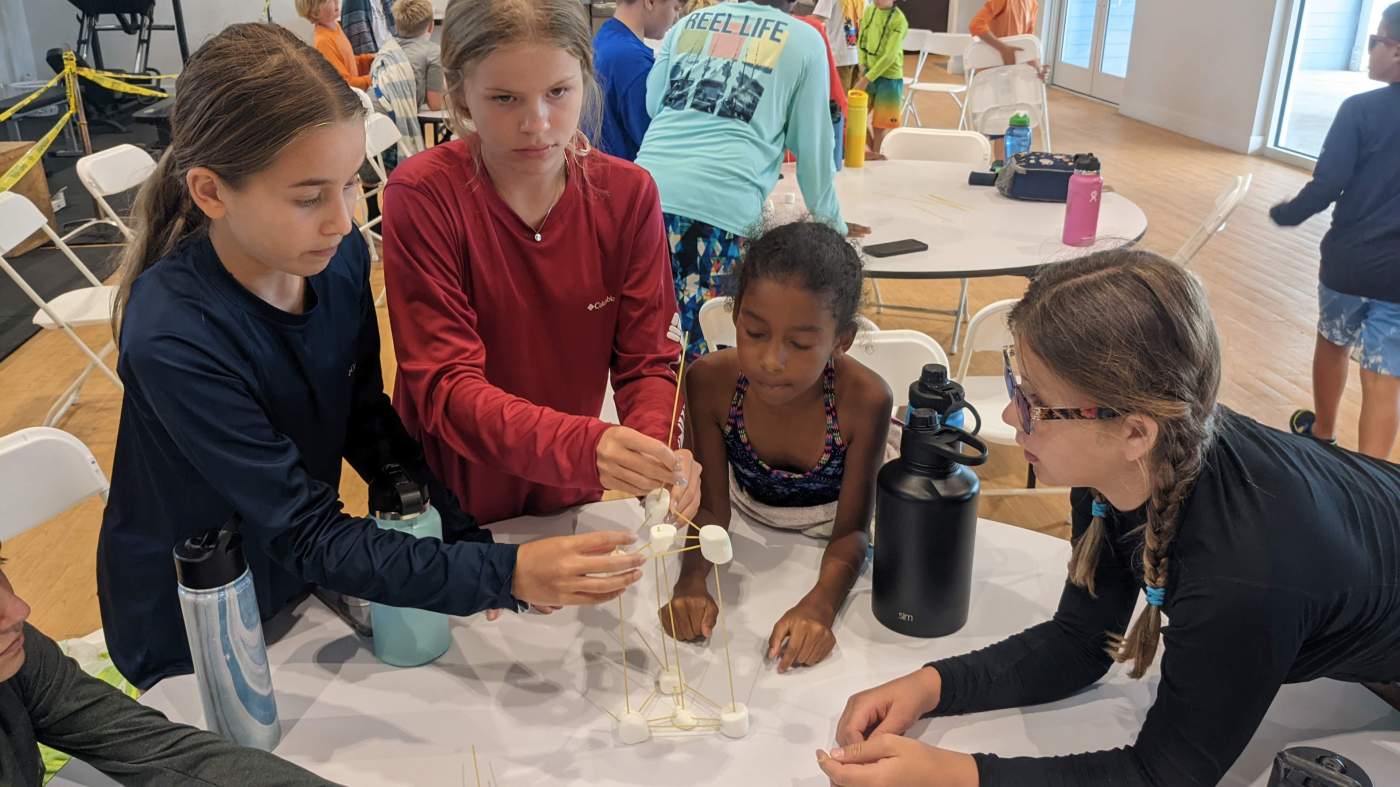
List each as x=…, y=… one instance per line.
x=935, y=390
x=926, y=520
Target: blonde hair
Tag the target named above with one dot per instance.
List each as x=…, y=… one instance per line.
x=474, y=29
x=307, y=9
x=1150, y=348
x=234, y=127
x=691, y=6
x=412, y=17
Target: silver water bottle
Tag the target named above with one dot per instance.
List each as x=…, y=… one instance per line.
x=226, y=639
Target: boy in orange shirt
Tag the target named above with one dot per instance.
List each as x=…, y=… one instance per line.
x=332, y=43
x=1000, y=19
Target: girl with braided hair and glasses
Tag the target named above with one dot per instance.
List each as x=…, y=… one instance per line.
x=1275, y=556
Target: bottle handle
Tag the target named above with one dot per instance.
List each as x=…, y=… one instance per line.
x=964, y=438
x=966, y=405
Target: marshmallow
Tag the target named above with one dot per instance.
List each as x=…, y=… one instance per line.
x=633, y=728
x=656, y=506
x=715, y=544
x=734, y=723
x=669, y=681
x=683, y=719
x=662, y=537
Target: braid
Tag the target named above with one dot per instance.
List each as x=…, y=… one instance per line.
x=1177, y=468
x=1084, y=560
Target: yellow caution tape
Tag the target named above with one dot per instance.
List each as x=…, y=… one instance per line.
x=108, y=79
x=30, y=98
x=104, y=79
x=28, y=160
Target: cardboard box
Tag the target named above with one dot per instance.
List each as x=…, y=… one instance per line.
x=33, y=185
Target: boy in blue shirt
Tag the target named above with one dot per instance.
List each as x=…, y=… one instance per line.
x=622, y=61
x=735, y=86
x=1359, y=292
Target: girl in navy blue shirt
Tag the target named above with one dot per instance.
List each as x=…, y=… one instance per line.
x=250, y=354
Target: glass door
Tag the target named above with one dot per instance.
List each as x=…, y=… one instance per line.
x=1092, y=56
x=1327, y=64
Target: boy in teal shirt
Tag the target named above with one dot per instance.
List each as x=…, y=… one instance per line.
x=734, y=86
x=881, y=43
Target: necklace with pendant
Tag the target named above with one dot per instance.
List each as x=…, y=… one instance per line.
x=538, y=228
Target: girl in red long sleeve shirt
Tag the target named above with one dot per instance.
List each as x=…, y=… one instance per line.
x=523, y=269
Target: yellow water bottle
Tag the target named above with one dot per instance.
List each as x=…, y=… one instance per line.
x=857, y=115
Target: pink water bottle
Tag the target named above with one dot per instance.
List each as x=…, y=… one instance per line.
x=1082, y=202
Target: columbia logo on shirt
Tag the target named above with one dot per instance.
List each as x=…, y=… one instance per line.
x=593, y=307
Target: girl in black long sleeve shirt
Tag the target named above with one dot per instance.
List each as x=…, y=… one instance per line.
x=1276, y=558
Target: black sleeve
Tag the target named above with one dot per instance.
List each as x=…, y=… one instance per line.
x=377, y=437
x=82, y=716
x=1228, y=647
x=1052, y=660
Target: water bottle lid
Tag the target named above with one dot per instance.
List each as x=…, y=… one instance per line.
x=933, y=375
x=1086, y=162
x=393, y=494
x=212, y=558
x=1021, y=119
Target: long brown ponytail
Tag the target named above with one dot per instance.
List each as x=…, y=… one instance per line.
x=245, y=95
x=1134, y=331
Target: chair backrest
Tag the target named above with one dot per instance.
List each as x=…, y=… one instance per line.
x=898, y=356
x=947, y=44
x=936, y=144
x=979, y=54
x=44, y=472
x=1215, y=223
x=115, y=170
x=717, y=323
x=18, y=220
x=381, y=133
x=995, y=94
x=987, y=330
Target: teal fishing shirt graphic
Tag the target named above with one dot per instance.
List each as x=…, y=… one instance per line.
x=718, y=59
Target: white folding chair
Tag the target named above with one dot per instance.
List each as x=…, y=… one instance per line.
x=931, y=43
x=107, y=173
x=899, y=357
x=381, y=134
x=717, y=323
x=1215, y=223
x=931, y=144
x=936, y=144
x=90, y=305
x=988, y=331
x=44, y=472
x=996, y=91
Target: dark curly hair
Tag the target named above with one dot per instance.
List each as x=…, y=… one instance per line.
x=810, y=255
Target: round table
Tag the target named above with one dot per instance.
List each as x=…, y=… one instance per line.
x=970, y=230
x=532, y=693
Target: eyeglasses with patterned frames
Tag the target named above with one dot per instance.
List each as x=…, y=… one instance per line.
x=1378, y=40
x=1030, y=413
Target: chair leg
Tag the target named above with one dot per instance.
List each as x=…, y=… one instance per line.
x=879, y=301
x=960, y=316
x=1030, y=476
x=381, y=297
x=69, y=397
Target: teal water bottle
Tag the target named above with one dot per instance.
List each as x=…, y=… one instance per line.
x=406, y=637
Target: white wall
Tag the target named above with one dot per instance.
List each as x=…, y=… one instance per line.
x=16, y=61
x=53, y=23
x=1205, y=68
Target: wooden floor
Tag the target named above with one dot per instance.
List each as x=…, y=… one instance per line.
x=1262, y=282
